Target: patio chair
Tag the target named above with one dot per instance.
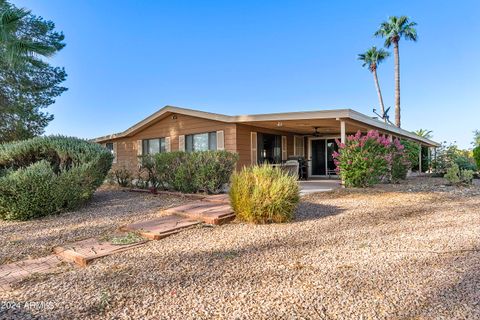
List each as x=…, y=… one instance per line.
x=291, y=167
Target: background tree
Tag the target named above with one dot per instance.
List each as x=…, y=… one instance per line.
x=427, y=134
x=394, y=29
x=28, y=84
x=371, y=59
x=476, y=138
x=476, y=147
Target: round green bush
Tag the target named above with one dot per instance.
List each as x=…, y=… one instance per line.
x=201, y=171
x=476, y=156
x=264, y=194
x=48, y=175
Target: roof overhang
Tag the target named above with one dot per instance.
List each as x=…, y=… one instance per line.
x=338, y=114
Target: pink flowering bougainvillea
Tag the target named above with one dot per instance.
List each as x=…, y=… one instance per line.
x=364, y=160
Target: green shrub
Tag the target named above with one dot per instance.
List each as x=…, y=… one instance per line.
x=412, y=150
x=456, y=176
x=453, y=174
x=122, y=176
x=47, y=175
x=465, y=162
x=361, y=160
x=148, y=168
x=476, y=156
x=264, y=194
x=448, y=155
x=205, y=171
x=364, y=160
x=467, y=176
x=398, y=161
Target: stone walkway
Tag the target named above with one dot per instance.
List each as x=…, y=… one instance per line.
x=16, y=272
x=159, y=228
x=211, y=209
x=85, y=251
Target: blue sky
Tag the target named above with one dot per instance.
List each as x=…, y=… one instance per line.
x=127, y=59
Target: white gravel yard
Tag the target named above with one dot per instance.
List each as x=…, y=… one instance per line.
x=391, y=252
x=108, y=209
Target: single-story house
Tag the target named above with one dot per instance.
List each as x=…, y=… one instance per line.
x=258, y=138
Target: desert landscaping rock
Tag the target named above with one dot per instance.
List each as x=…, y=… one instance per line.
x=108, y=210
x=391, y=252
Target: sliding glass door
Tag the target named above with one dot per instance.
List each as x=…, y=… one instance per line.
x=318, y=157
x=331, y=148
x=321, y=157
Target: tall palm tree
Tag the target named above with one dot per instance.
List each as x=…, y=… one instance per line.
x=393, y=30
x=16, y=50
x=372, y=58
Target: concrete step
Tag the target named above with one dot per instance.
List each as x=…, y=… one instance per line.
x=206, y=211
x=161, y=227
x=85, y=251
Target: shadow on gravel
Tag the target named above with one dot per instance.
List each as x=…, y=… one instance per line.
x=457, y=298
x=307, y=210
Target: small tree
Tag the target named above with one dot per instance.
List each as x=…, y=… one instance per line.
x=361, y=160
x=365, y=160
x=399, y=162
x=450, y=154
x=476, y=156
x=456, y=176
x=28, y=83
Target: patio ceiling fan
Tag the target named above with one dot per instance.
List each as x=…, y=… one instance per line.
x=316, y=133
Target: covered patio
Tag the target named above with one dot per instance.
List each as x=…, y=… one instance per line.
x=310, y=138
x=318, y=185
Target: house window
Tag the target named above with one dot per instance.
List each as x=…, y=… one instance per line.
x=153, y=146
x=201, y=142
x=299, y=144
x=109, y=146
x=269, y=148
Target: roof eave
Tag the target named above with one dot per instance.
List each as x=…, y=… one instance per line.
x=354, y=115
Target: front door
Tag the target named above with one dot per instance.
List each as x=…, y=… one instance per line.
x=318, y=157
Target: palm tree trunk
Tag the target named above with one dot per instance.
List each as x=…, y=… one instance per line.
x=379, y=92
x=397, y=84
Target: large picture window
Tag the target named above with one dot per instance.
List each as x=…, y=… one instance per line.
x=153, y=146
x=201, y=142
x=269, y=148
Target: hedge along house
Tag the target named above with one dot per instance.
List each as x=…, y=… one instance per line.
x=259, y=138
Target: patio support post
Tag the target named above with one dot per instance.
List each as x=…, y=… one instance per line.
x=343, y=139
x=420, y=159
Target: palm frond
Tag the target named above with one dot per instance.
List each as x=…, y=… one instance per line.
x=373, y=57
x=424, y=133
x=396, y=28
x=10, y=19
x=16, y=49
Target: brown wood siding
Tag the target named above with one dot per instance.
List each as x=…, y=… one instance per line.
x=168, y=127
x=237, y=138
x=243, y=142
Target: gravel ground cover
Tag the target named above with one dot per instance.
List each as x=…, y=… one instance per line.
x=108, y=209
x=408, y=251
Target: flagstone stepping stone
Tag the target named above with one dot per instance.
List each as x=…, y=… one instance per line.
x=15, y=272
x=85, y=251
x=161, y=227
x=206, y=211
x=220, y=198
